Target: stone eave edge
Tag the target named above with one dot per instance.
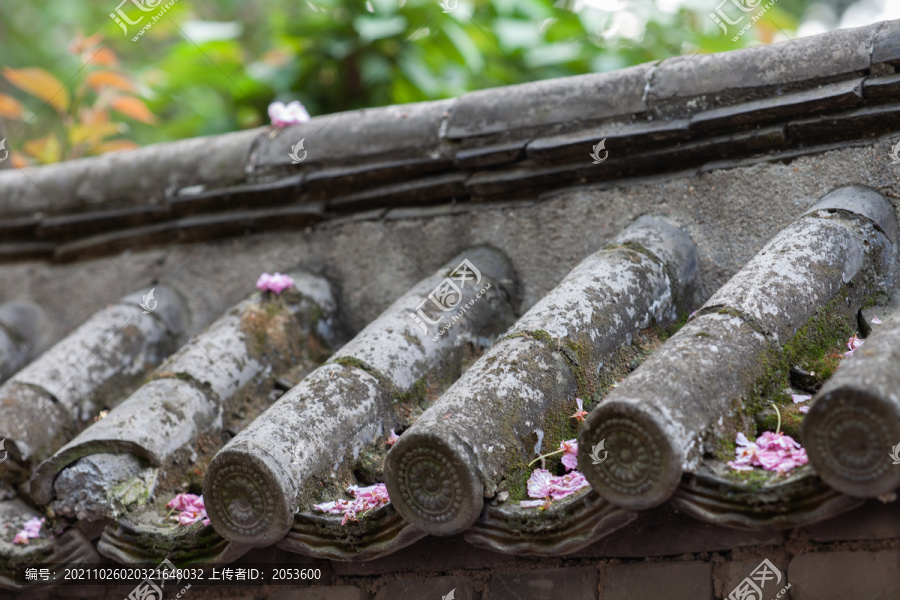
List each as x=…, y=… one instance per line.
x=452, y=146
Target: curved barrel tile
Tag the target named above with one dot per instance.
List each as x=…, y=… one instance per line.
x=482, y=431
x=256, y=483
x=659, y=422
x=852, y=431
x=185, y=397
x=52, y=398
x=23, y=333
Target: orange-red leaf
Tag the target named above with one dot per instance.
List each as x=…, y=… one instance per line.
x=134, y=108
x=101, y=79
x=104, y=57
x=114, y=146
x=18, y=161
x=46, y=149
x=41, y=84
x=10, y=107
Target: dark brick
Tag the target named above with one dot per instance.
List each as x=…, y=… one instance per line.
x=17, y=251
x=415, y=192
x=882, y=89
x=115, y=242
x=663, y=532
x=320, y=592
x=628, y=137
x=431, y=554
x=330, y=180
x=245, y=196
x=655, y=581
x=428, y=589
x=80, y=225
x=835, y=96
x=855, y=124
x=487, y=156
x=16, y=229
x=208, y=227
x=545, y=584
x=845, y=575
x=872, y=521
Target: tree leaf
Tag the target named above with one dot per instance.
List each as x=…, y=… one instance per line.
x=93, y=134
x=46, y=149
x=104, y=57
x=40, y=84
x=113, y=146
x=11, y=108
x=134, y=108
x=101, y=79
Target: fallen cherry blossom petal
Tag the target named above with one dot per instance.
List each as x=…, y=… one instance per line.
x=534, y=503
x=853, y=343
x=580, y=413
x=283, y=114
x=31, y=529
x=803, y=409
x=392, y=439
x=876, y=321
x=797, y=398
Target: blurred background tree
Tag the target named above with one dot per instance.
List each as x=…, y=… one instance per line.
x=213, y=66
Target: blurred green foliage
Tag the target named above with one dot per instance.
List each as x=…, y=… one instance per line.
x=212, y=66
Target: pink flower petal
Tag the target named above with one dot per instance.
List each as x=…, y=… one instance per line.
x=800, y=398
x=570, y=462
x=533, y=503
x=876, y=321
x=803, y=409
x=392, y=439
x=540, y=483
x=283, y=114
